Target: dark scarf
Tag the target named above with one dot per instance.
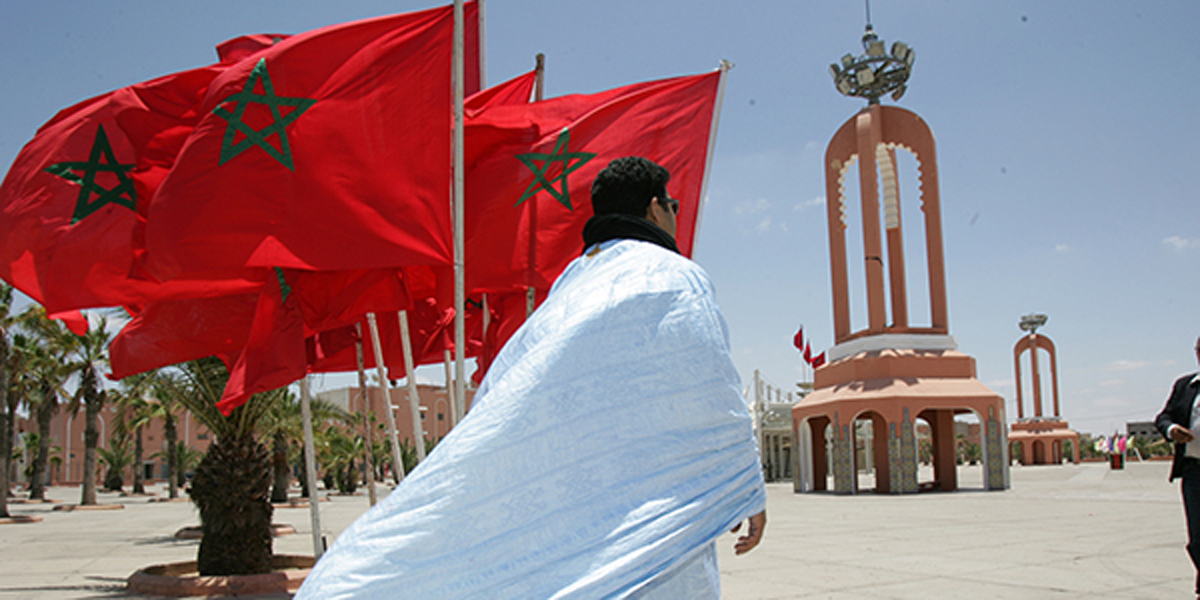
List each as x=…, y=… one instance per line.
x=602, y=228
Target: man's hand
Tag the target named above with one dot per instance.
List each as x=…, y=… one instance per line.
x=1181, y=434
x=753, y=536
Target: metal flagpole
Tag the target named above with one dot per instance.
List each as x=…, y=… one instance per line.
x=460, y=300
x=530, y=291
x=397, y=457
x=725, y=66
x=367, y=414
x=414, y=399
x=446, y=360
x=310, y=466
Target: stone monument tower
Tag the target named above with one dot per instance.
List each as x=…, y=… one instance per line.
x=881, y=381
x=1039, y=437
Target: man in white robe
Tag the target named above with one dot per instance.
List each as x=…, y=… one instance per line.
x=607, y=448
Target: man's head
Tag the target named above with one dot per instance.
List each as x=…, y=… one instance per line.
x=638, y=187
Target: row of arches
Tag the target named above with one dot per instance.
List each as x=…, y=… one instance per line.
x=918, y=452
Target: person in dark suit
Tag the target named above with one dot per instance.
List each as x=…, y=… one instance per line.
x=1179, y=422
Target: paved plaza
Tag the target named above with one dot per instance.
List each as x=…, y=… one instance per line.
x=1061, y=532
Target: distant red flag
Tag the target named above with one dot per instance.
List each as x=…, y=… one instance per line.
x=807, y=353
x=530, y=170
x=70, y=202
x=242, y=47
x=518, y=90
x=798, y=339
x=74, y=320
x=818, y=360
x=328, y=150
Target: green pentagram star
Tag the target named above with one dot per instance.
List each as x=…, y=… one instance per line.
x=101, y=160
x=571, y=162
x=259, y=137
x=285, y=290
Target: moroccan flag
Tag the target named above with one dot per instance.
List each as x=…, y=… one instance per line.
x=274, y=352
x=518, y=90
x=530, y=170
x=798, y=339
x=174, y=331
x=818, y=360
x=70, y=202
x=807, y=353
x=328, y=150
x=242, y=47
x=169, y=332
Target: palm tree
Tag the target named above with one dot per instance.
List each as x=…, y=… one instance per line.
x=45, y=352
x=283, y=423
x=232, y=484
x=117, y=457
x=134, y=413
x=89, y=350
x=186, y=459
x=165, y=389
x=6, y=425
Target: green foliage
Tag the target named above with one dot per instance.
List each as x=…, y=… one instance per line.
x=117, y=457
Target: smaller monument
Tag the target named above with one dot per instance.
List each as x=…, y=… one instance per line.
x=1040, y=438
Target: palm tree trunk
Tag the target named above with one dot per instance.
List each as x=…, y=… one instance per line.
x=231, y=489
x=303, y=474
x=9, y=435
x=138, y=486
x=5, y=458
x=5, y=426
x=172, y=456
x=280, y=467
x=45, y=412
x=91, y=441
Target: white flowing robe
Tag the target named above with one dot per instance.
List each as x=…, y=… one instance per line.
x=606, y=450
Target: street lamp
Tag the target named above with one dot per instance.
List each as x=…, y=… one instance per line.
x=875, y=72
x=1032, y=321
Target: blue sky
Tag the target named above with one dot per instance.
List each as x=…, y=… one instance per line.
x=1065, y=134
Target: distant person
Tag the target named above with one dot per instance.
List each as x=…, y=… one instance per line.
x=1179, y=421
x=607, y=448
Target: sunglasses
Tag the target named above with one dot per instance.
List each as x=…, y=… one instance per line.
x=671, y=204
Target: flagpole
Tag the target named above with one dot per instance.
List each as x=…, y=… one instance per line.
x=724, y=67
x=367, y=413
x=414, y=400
x=460, y=300
x=450, y=397
x=397, y=457
x=530, y=291
x=310, y=466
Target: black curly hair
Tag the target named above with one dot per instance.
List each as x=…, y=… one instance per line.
x=627, y=185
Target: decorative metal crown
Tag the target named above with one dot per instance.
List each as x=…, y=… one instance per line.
x=875, y=72
x=1032, y=321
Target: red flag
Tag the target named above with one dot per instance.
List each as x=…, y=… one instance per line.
x=69, y=203
x=818, y=360
x=798, y=339
x=508, y=314
x=74, y=320
x=518, y=90
x=807, y=353
x=274, y=355
x=530, y=170
x=329, y=150
x=242, y=47
x=171, y=332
